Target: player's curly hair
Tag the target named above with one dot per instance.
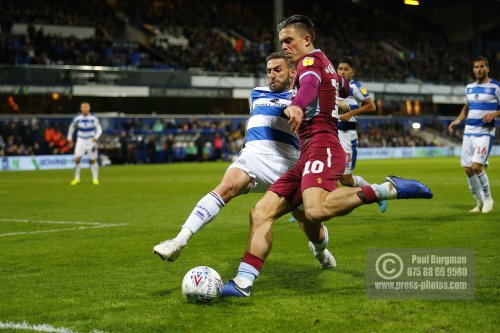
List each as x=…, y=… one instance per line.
x=300, y=22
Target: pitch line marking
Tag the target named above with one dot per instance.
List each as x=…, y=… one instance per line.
x=84, y=226
x=39, y=327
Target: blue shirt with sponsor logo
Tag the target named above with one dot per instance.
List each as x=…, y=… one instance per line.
x=482, y=99
x=268, y=131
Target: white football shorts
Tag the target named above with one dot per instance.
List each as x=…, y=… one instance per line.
x=349, y=142
x=475, y=149
x=264, y=169
x=86, y=146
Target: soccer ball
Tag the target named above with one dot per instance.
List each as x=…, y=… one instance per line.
x=201, y=285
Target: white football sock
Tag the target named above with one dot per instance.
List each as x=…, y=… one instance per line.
x=183, y=236
x=485, y=184
x=77, y=171
x=359, y=181
x=246, y=275
x=95, y=170
x=385, y=191
x=205, y=211
x=475, y=188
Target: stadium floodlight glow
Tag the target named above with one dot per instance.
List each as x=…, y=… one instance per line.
x=415, y=126
x=412, y=2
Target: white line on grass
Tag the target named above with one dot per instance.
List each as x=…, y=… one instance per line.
x=86, y=225
x=39, y=327
x=49, y=222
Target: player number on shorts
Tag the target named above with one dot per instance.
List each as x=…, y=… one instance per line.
x=481, y=150
x=314, y=167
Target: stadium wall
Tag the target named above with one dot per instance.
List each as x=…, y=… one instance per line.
x=54, y=162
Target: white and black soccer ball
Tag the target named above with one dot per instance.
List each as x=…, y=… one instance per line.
x=202, y=285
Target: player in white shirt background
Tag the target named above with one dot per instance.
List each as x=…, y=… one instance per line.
x=479, y=112
x=359, y=102
x=88, y=130
x=271, y=148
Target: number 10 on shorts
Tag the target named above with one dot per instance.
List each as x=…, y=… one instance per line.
x=315, y=166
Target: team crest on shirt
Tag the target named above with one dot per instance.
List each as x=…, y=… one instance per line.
x=319, y=180
x=363, y=91
x=476, y=96
x=308, y=61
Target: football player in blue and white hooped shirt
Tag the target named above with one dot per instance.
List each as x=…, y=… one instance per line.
x=479, y=112
x=359, y=102
x=271, y=148
x=88, y=130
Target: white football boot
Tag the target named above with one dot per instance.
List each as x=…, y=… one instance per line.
x=487, y=206
x=325, y=257
x=477, y=209
x=168, y=250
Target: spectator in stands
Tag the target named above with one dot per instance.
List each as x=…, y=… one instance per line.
x=125, y=157
x=199, y=144
x=169, y=145
x=151, y=148
x=217, y=144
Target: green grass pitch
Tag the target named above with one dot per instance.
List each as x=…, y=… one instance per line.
x=87, y=278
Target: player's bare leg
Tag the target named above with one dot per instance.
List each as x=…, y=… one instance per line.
x=234, y=183
x=262, y=216
x=358, y=181
x=321, y=205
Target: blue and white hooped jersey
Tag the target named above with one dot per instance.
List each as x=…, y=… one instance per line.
x=268, y=131
x=87, y=127
x=481, y=99
x=356, y=97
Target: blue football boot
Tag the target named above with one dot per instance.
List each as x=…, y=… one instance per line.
x=231, y=289
x=409, y=188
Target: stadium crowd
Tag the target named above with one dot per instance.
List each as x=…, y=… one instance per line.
x=390, y=134
x=229, y=37
x=130, y=140
x=163, y=140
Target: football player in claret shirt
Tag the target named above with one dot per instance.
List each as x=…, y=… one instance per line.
x=271, y=148
x=310, y=189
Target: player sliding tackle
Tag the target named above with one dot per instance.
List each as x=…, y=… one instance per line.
x=313, y=182
x=271, y=148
